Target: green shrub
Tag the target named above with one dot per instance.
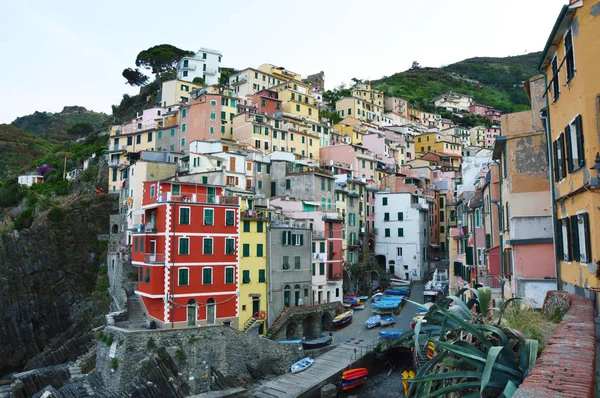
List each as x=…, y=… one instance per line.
x=109, y=340
x=151, y=344
x=162, y=353
x=24, y=220
x=180, y=355
x=56, y=215
x=114, y=364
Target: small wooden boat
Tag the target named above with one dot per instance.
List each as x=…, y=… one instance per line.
x=347, y=305
x=377, y=296
x=358, y=306
x=388, y=320
x=391, y=298
x=343, y=319
x=373, y=321
x=382, y=312
x=397, y=292
x=290, y=341
x=354, y=374
x=384, y=334
x=399, y=282
x=386, y=305
x=363, y=299
x=348, y=385
x=302, y=365
x=317, y=343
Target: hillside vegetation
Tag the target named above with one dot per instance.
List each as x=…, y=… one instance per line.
x=497, y=82
x=55, y=126
x=19, y=149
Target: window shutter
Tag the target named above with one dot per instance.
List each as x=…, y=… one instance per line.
x=301, y=240
x=563, y=159
x=587, y=237
x=559, y=239
x=294, y=239
x=569, y=153
x=283, y=238
x=555, y=158
x=574, y=239
x=567, y=253
x=579, y=133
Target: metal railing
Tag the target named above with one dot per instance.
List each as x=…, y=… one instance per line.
x=492, y=281
x=157, y=258
x=198, y=198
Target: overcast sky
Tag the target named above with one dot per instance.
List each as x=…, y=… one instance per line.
x=72, y=52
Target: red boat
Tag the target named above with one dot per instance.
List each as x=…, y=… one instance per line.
x=354, y=374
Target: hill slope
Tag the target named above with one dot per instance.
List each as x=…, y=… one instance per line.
x=19, y=148
x=54, y=126
x=491, y=81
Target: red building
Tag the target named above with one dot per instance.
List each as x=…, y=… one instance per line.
x=186, y=252
x=333, y=237
x=266, y=101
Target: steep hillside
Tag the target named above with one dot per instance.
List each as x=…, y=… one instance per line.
x=491, y=81
x=55, y=126
x=19, y=148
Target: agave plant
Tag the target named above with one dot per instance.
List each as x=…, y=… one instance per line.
x=472, y=357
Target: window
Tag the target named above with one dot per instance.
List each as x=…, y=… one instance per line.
x=150, y=136
x=321, y=247
x=585, y=243
x=260, y=225
x=229, y=246
x=172, y=132
x=574, y=141
x=184, y=246
x=384, y=201
x=555, y=82
x=213, y=116
x=387, y=232
x=565, y=235
x=152, y=191
x=246, y=226
x=286, y=262
x=400, y=216
x=183, y=143
x=209, y=216
x=399, y=251
x=246, y=276
x=183, y=128
x=558, y=147
x=183, y=276
x=386, y=216
x=477, y=218
x=262, y=276
x=229, y=218
x=229, y=275
x=207, y=246
x=321, y=268
x=288, y=183
x=400, y=231
x=314, y=267
x=246, y=250
x=322, y=183
x=207, y=276
x=569, y=55
x=259, y=250
x=160, y=135
x=297, y=108
x=185, y=73
x=184, y=215
x=297, y=262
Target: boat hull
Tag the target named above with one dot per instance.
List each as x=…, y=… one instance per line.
x=354, y=374
x=348, y=385
x=390, y=335
x=373, y=321
x=302, y=364
x=386, y=321
x=317, y=343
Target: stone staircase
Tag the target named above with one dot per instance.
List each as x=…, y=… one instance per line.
x=75, y=371
x=252, y=323
x=137, y=316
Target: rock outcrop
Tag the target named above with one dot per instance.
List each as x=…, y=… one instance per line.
x=47, y=278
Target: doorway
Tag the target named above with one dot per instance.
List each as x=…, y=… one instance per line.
x=255, y=305
x=210, y=311
x=191, y=313
x=153, y=249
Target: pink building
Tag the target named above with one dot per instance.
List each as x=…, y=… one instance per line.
x=377, y=145
x=478, y=109
x=494, y=115
x=490, y=135
x=396, y=105
x=362, y=161
x=202, y=119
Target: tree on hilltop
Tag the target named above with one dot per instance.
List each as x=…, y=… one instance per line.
x=161, y=58
x=135, y=77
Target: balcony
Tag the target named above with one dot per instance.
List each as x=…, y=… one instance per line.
x=241, y=80
x=117, y=148
x=154, y=258
x=318, y=234
x=255, y=215
x=114, y=163
x=333, y=278
x=210, y=71
x=189, y=67
x=147, y=228
x=199, y=198
x=419, y=206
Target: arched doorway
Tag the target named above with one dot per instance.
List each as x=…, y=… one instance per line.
x=286, y=296
x=392, y=267
x=326, y=320
x=291, y=330
x=115, y=229
x=192, y=312
x=296, y=294
x=211, y=311
x=309, y=326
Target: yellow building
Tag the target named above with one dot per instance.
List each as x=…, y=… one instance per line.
x=297, y=99
x=570, y=64
x=253, y=269
x=435, y=142
x=414, y=115
x=349, y=131
x=477, y=136
x=280, y=72
x=366, y=104
x=173, y=92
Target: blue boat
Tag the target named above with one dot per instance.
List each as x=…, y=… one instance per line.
x=384, y=334
x=397, y=292
x=386, y=305
x=373, y=321
x=388, y=320
x=391, y=298
x=290, y=341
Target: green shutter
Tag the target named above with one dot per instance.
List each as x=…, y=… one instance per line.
x=575, y=239
x=314, y=266
x=246, y=250
x=301, y=240
x=229, y=275
x=259, y=250
x=208, y=217
x=184, y=215
x=259, y=226
x=262, y=276
x=207, y=276
x=208, y=246
x=469, y=255
x=400, y=216
x=230, y=218
x=321, y=268
x=400, y=231
x=229, y=246
x=184, y=246
x=183, y=277
x=297, y=262
x=246, y=276
x=246, y=226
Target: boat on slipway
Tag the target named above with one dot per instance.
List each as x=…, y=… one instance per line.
x=302, y=364
x=343, y=319
x=317, y=343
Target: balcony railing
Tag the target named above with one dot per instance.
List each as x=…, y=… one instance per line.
x=210, y=71
x=318, y=235
x=490, y=280
x=199, y=198
x=189, y=67
x=148, y=227
x=154, y=258
x=331, y=277
x=255, y=215
x=117, y=148
x=114, y=163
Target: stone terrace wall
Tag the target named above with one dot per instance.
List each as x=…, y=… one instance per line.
x=566, y=367
x=238, y=356
x=299, y=314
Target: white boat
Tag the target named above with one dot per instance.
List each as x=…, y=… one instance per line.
x=363, y=299
x=388, y=320
x=302, y=364
x=377, y=296
x=359, y=306
x=373, y=321
x=399, y=282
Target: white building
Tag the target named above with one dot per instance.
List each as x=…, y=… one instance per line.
x=401, y=225
x=453, y=102
x=30, y=179
x=206, y=63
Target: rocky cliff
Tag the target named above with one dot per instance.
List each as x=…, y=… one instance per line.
x=49, y=297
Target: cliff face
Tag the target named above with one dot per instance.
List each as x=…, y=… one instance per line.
x=47, y=278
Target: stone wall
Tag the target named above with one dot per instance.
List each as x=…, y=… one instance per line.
x=566, y=367
x=306, y=321
x=198, y=359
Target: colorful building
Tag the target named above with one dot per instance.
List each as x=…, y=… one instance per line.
x=436, y=142
x=572, y=77
x=365, y=104
x=187, y=254
x=205, y=64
